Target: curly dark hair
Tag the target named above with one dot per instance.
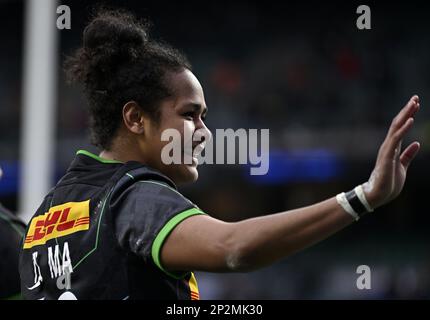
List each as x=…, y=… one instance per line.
x=118, y=63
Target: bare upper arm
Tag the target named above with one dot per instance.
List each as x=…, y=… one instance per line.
x=199, y=242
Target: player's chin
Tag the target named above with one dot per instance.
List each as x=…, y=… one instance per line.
x=192, y=173
x=187, y=173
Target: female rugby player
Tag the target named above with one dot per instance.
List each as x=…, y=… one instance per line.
x=115, y=226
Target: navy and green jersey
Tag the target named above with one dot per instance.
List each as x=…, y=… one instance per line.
x=11, y=233
x=99, y=232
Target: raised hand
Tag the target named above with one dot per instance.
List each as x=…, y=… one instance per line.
x=389, y=175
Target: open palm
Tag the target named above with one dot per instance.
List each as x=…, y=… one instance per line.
x=389, y=175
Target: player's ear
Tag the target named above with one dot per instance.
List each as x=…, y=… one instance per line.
x=134, y=117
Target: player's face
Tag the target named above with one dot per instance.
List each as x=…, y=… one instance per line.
x=184, y=111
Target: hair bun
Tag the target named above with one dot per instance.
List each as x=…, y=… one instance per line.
x=114, y=30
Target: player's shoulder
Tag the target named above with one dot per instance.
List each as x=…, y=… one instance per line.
x=145, y=182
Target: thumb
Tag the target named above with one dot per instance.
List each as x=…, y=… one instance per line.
x=409, y=154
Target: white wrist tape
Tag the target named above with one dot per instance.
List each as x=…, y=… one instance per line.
x=360, y=194
x=343, y=202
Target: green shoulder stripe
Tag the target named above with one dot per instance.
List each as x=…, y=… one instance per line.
x=164, y=232
x=96, y=157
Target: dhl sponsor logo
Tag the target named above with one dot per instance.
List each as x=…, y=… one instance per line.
x=59, y=221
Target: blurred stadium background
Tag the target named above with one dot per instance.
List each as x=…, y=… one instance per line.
x=326, y=91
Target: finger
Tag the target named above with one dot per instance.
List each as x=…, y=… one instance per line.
x=409, y=154
x=398, y=150
x=396, y=137
x=408, y=111
x=415, y=98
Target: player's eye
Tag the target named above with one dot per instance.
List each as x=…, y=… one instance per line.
x=189, y=115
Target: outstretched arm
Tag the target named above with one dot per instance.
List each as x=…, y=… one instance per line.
x=207, y=244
